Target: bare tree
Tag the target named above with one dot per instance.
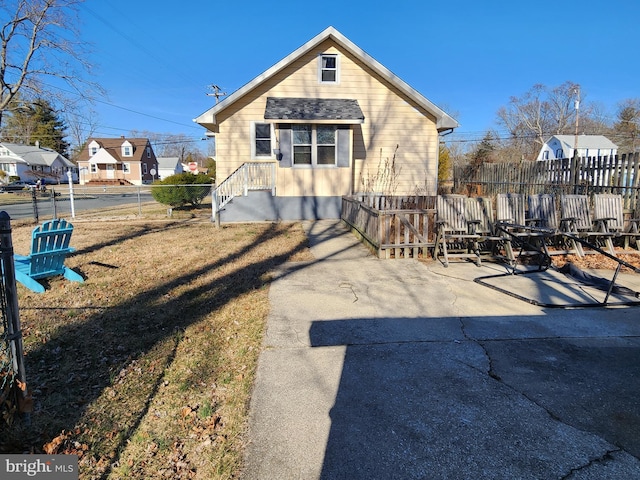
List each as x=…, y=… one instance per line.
x=173, y=145
x=81, y=125
x=540, y=113
x=40, y=43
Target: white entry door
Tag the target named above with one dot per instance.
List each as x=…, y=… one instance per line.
x=110, y=171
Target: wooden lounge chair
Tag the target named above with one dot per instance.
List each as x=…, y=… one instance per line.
x=609, y=218
x=455, y=237
x=542, y=213
x=49, y=249
x=575, y=219
x=480, y=217
x=516, y=229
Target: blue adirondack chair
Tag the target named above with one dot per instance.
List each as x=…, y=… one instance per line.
x=49, y=248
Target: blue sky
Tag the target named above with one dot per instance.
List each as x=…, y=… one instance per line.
x=157, y=59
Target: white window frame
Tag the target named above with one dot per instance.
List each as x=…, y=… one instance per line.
x=148, y=152
x=126, y=167
x=314, y=148
x=254, y=154
x=94, y=168
x=321, y=69
x=144, y=168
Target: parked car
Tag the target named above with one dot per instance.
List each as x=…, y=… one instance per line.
x=19, y=185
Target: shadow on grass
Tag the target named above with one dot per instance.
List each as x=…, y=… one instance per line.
x=75, y=366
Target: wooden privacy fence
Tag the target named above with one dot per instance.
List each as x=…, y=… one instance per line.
x=619, y=174
x=394, y=227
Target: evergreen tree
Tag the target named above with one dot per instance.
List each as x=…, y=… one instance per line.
x=36, y=121
x=626, y=130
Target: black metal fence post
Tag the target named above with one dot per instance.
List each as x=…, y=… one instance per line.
x=34, y=202
x=14, y=330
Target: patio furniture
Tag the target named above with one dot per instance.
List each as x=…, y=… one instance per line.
x=609, y=218
x=575, y=220
x=516, y=229
x=456, y=237
x=542, y=213
x=49, y=249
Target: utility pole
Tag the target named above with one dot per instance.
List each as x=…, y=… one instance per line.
x=576, y=91
x=216, y=92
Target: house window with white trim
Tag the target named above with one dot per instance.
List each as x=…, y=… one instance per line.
x=94, y=168
x=328, y=69
x=559, y=153
x=126, y=168
x=144, y=168
x=262, y=140
x=314, y=145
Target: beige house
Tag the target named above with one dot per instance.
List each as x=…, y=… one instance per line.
x=326, y=121
x=117, y=161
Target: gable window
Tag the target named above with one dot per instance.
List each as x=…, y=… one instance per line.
x=314, y=145
x=262, y=140
x=559, y=153
x=148, y=152
x=328, y=69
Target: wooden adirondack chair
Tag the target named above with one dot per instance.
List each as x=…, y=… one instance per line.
x=49, y=249
x=576, y=220
x=455, y=237
x=609, y=218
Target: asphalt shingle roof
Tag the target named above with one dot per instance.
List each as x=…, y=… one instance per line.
x=312, y=109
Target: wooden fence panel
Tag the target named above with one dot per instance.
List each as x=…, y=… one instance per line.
x=590, y=175
x=405, y=231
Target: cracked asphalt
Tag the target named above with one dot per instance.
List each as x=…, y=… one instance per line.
x=400, y=369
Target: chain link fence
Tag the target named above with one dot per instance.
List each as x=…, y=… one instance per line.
x=101, y=202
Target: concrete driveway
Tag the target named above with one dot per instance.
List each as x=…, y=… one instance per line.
x=399, y=369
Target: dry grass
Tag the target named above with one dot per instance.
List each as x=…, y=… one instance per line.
x=145, y=370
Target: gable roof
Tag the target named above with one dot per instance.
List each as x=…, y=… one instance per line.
x=584, y=141
x=168, y=163
x=34, y=155
x=443, y=121
x=113, y=147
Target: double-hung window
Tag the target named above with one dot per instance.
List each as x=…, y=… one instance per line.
x=328, y=69
x=262, y=140
x=314, y=145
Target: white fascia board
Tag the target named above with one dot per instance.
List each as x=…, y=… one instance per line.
x=444, y=121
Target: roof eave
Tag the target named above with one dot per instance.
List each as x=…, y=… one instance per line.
x=443, y=121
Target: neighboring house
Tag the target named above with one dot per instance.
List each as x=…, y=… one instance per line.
x=31, y=162
x=117, y=161
x=326, y=121
x=562, y=146
x=168, y=166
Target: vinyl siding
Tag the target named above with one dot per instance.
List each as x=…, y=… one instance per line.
x=391, y=120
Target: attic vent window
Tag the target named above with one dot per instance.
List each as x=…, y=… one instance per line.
x=328, y=71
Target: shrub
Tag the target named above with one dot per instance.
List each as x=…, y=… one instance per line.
x=182, y=189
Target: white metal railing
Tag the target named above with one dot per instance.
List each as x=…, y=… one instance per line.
x=249, y=176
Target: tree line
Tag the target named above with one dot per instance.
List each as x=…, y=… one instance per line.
x=530, y=119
